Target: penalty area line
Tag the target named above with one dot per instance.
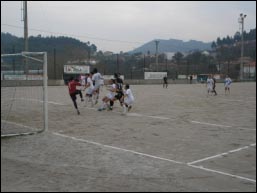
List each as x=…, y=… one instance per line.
x=155, y=157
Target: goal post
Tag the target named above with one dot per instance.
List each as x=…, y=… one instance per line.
x=24, y=93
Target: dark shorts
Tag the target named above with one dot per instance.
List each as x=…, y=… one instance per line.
x=118, y=95
x=73, y=95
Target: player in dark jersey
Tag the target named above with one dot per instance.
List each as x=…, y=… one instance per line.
x=119, y=90
x=165, y=82
x=214, y=85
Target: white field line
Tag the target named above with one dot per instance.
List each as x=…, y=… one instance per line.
x=203, y=123
x=36, y=100
x=218, y=125
x=223, y=173
x=141, y=115
x=35, y=130
x=222, y=154
x=151, y=156
x=117, y=148
x=18, y=124
x=236, y=100
x=155, y=157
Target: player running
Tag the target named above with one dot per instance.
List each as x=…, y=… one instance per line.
x=90, y=89
x=73, y=92
x=82, y=80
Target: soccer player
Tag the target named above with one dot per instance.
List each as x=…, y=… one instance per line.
x=119, y=90
x=227, y=84
x=97, y=80
x=214, y=85
x=128, y=99
x=165, y=81
x=82, y=79
x=73, y=92
x=109, y=96
x=209, y=84
x=191, y=79
x=90, y=89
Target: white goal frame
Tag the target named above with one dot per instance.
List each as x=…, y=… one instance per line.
x=30, y=55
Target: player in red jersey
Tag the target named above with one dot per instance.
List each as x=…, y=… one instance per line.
x=73, y=92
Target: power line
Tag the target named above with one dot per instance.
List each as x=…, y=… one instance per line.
x=73, y=35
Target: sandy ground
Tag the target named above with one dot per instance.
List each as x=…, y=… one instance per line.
x=174, y=139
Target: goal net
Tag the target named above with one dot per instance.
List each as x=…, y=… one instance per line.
x=23, y=93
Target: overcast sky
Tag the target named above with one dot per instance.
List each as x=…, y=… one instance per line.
x=123, y=26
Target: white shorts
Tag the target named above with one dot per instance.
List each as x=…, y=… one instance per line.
x=97, y=86
x=101, y=82
x=128, y=101
x=90, y=91
x=209, y=88
x=110, y=96
x=227, y=86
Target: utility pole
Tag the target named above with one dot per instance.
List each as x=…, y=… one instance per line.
x=166, y=65
x=89, y=54
x=156, y=43
x=13, y=60
x=55, y=64
x=241, y=21
x=26, y=44
x=144, y=64
x=26, y=26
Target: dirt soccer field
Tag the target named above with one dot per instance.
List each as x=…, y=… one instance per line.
x=174, y=139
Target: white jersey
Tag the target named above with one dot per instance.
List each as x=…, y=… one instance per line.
x=83, y=80
x=210, y=83
x=111, y=94
x=102, y=81
x=228, y=82
x=97, y=79
x=90, y=89
x=129, y=97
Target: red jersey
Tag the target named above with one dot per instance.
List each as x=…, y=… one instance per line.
x=72, y=86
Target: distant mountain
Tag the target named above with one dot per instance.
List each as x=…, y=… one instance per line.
x=172, y=45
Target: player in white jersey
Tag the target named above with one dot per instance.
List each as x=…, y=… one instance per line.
x=209, y=84
x=90, y=89
x=97, y=80
x=227, y=84
x=128, y=99
x=109, y=96
x=82, y=80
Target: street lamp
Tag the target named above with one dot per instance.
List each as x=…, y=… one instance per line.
x=241, y=21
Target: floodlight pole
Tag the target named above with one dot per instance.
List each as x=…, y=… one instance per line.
x=241, y=21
